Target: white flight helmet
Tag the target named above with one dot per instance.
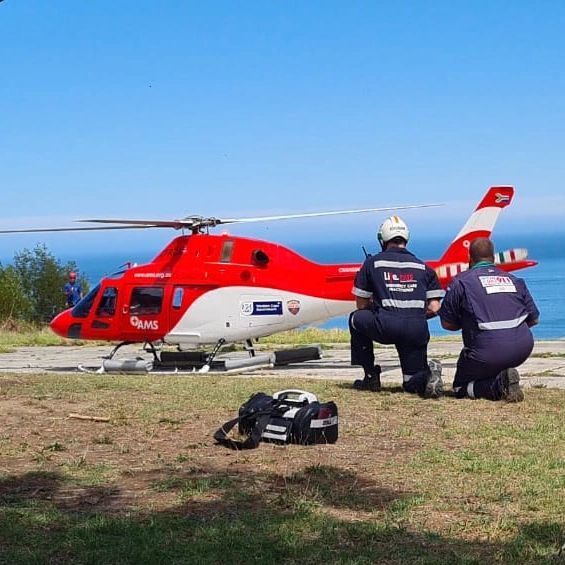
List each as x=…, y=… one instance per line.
x=393, y=227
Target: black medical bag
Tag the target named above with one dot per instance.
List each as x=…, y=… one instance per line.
x=289, y=416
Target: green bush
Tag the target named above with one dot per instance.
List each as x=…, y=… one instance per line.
x=14, y=303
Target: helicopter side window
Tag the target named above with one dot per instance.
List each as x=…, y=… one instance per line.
x=146, y=300
x=177, y=297
x=107, y=306
x=227, y=251
x=82, y=309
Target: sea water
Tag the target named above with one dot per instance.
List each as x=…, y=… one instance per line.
x=545, y=281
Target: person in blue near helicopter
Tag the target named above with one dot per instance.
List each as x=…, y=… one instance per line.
x=72, y=290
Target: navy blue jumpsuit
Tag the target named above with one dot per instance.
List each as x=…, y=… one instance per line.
x=400, y=285
x=73, y=292
x=493, y=309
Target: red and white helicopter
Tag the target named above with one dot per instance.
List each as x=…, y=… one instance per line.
x=205, y=289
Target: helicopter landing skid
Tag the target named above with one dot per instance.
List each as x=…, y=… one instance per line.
x=202, y=363
x=195, y=362
x=115, y=349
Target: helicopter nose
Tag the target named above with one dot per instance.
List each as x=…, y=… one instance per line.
x=64, y=325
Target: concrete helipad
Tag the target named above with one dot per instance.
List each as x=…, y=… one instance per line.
x=545, y=368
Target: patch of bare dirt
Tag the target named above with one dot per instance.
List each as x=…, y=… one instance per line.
x=174, y=464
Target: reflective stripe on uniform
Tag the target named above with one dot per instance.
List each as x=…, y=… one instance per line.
x=471, y=389
x=352, y=320
x=399, y=265
x=361, y=293
x=406, y=378
x=440, y=293
x=403, y=303
x=502, y=324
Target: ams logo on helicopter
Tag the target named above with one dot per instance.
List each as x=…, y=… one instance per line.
x=205, y=289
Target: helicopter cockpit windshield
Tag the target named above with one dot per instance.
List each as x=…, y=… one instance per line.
x=82, y=309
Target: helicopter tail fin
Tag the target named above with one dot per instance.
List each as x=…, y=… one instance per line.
x=480, y=223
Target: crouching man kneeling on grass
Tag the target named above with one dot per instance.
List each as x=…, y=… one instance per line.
x=495, y=311
x=395, y=293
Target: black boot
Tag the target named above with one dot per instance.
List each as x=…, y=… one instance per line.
x=372, y=381
x=434, y=386
x=511, y=391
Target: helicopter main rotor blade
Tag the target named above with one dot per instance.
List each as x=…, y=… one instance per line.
x=199, y=221
x=317, y=214
x=92, y=228
x=196, y=223
x=176, y=224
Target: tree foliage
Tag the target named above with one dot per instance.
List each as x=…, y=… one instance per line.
x=13, y=301
x=32, y=289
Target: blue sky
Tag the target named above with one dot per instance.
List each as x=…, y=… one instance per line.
x=165, y=109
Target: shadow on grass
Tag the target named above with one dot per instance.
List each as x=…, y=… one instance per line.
x=312, y=487
x=395, y=389
x=52, y=488
x=237, y=518
x=389, y=388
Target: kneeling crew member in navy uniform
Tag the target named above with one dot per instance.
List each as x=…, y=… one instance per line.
x=395, y=294
x=495, y=311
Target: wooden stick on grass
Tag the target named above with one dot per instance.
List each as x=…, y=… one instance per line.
x=92, y=418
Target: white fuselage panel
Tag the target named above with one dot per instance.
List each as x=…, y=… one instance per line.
x=238, y=313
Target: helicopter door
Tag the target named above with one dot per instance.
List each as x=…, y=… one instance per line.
x=143, y=313
x=104, y=321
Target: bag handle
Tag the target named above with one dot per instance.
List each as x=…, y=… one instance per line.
x=295, y=394
x=252, y=441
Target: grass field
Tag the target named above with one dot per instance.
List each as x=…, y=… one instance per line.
x=409, y=480
x=30, y=336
